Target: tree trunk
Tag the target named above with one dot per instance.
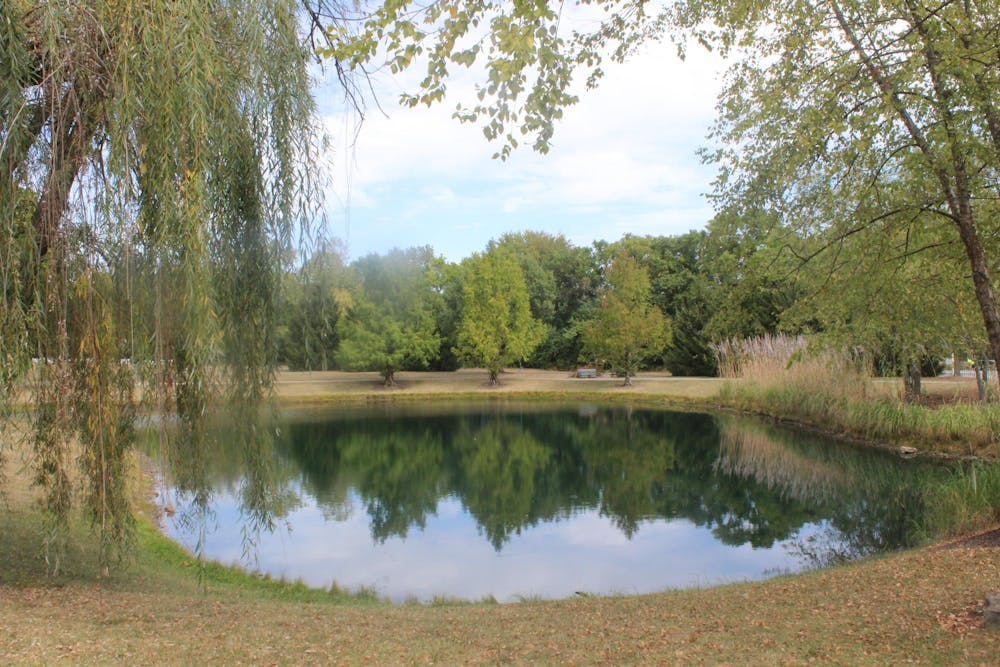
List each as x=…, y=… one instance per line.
x=389, y=378
x=74, y=126
x=954, y=175
x=982, y=377
x=951, y=172
x=981, y=279
x=494, y=380
x=911, y=381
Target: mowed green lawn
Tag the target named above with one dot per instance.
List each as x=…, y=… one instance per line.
x=921, y=606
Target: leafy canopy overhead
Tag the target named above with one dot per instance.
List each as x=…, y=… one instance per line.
x=849, y=121
x=872, y=131
x=530, y=53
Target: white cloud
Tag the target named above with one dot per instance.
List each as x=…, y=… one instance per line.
x=440, y=195
x=622, y=159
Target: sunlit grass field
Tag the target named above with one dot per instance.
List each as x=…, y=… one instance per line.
x=293, y=387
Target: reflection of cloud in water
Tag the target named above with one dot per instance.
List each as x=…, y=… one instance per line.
x=588, y=530
x=583, y=553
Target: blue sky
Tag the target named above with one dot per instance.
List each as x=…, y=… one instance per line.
x=623, y=160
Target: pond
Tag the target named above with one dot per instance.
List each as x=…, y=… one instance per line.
x=521, y=501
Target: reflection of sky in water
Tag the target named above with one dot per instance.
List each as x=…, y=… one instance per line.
x=450, y=557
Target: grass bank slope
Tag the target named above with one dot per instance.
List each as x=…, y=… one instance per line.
x=920, y=607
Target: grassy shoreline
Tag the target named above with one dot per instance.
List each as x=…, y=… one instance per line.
x=919, y=605
x=336, y=386
x=952, y=431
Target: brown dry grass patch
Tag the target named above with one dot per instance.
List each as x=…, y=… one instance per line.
x=321, y=386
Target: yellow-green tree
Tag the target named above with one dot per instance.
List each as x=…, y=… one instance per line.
x=628, y=328
x=497, y=328
x=391, y=327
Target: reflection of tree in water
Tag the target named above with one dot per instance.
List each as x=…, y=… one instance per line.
x=627, y=459
x=310, y=447
x=499, y=462
x=396, y=466
x=737, y=510
x=874, y=501
x=232, y=454
x=512, y=468
x=399, y=478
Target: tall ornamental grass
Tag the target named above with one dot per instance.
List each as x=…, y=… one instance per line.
x=969, y=500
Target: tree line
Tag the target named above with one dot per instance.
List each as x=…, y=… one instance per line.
x=643, y=302
x=529, y=298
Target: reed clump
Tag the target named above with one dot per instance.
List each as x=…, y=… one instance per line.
x=785, y=377
x=968, y=500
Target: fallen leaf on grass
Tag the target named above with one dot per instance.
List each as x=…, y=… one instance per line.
x=964, y=622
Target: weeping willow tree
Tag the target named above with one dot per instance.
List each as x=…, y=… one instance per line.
x=155, y=167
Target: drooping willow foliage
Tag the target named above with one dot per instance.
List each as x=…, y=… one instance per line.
x=156, y=165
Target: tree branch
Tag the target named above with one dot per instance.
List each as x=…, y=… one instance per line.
x=16, y=145
x=888, y=89
x=73, y=130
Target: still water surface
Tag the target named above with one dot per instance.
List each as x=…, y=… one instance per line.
x=520, y=501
